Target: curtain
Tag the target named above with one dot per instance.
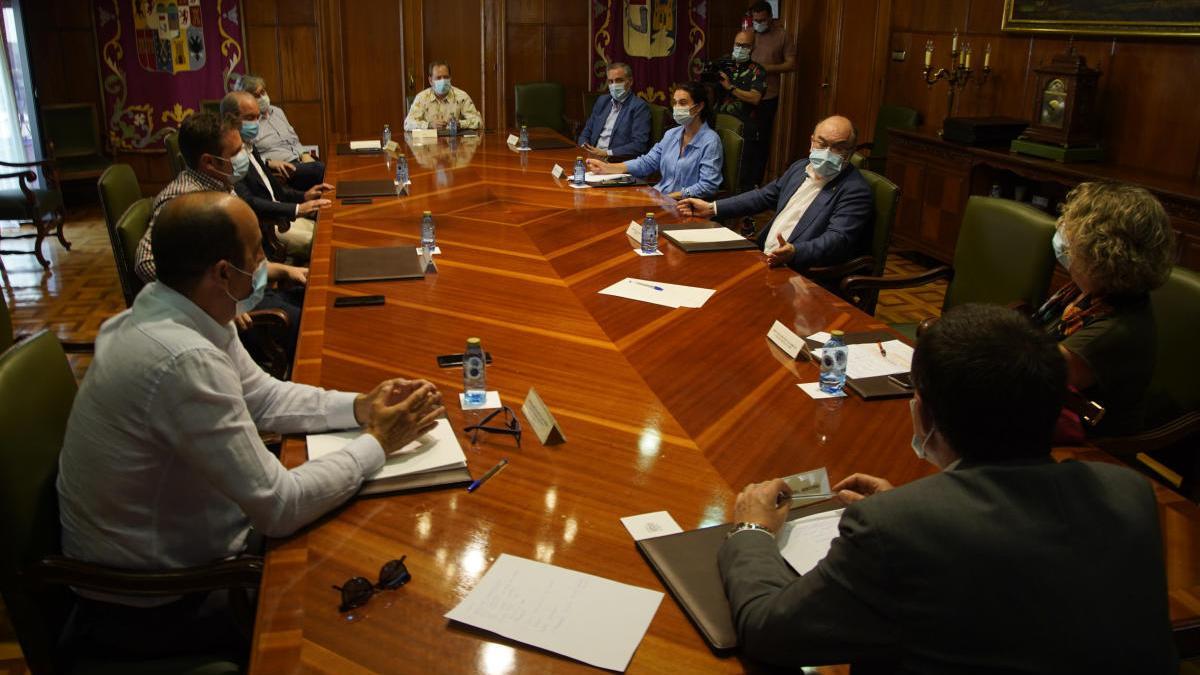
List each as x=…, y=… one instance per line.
x=12, y=140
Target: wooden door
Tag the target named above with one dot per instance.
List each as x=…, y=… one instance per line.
x=854, y=59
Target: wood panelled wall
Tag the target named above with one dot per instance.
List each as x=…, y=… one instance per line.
x=1147, y=95
x=283, y=47
x=547, y=40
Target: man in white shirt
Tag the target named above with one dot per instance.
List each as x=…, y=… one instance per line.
x=278, y=142
x=435, y=106
x=162, y=465
x=823, y=206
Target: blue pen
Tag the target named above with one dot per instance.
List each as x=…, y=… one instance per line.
x=490, y=472
x=641, y=283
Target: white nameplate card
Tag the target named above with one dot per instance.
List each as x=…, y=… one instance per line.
x=391, y=146
x=538, y=415
x=785, y=339
x=364, y=145
x=634, y=231
x=557, y=171
x=513, y=140
x=424, y=133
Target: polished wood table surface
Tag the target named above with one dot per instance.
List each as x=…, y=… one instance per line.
x=663, y=409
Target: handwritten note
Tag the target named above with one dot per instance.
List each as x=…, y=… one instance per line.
x=585, y=617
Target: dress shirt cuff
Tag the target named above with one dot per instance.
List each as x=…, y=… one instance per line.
x=713, y=204
x=340, y=413
x=297, y=214
x=367, y=453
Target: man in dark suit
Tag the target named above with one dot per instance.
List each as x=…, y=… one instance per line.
x=619, y=127
x=823, y=206
x=287, y=209
x=1005, y=562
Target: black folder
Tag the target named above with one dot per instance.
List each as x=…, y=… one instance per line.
x=345, y=149
x=347, y=189
x=870, y=388
x=377, y=264
x=687, y=565
x=703, y=246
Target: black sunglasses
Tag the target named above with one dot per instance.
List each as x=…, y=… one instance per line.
x=358, y=590
x=512, y=426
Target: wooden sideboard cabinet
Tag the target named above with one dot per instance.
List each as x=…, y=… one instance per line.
x=936, y=177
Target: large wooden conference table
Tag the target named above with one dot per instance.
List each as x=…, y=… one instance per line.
x=663, y=409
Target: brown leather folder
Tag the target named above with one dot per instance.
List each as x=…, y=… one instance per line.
x=376, y=264
x=365, y=188
x=687, y=565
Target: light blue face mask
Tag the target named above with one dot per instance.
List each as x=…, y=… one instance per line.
x=682, y=115
x=617, y=90
x=440, y=87
x=918, y=443
x=241, y=165
x=249, y=131
x=1061, y=250
x=258, y=287
x=825, y=162
x=741, y=54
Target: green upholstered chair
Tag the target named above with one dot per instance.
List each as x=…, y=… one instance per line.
x=541, y=104
x=127, y=234
x=37, y=389
x=27, y=204
x=6, y=325
x=889, y=117
x=174, y=156
x=119, y=189
x=886, y=197
x=74, y=132
x=658, y=122
x=589, y=99
x=211, y=105
x=731, y=151
x=1003, y=256
x=727, y=121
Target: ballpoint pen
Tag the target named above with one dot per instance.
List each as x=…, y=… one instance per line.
x=642, y=283
x=783, y=497
x=490, y=472
x=882, y=351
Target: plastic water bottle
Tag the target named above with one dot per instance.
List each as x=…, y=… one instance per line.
x=452, y=127
x=387, y=136
x=649, y=234
x=401, y=173
x=474, y=378
x=833, y=363
x=524, y=140
x=428, y=231
x=580, y=171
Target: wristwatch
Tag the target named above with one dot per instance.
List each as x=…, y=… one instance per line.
x=743, y=527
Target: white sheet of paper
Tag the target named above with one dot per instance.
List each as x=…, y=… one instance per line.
x=813, y=389
x=820, y=338
x=805, y=541
x=659, y=293
x=864, y=360
x=706, y=235
x=580, y=186
x=491, y=400
x=584, y=617
x=650, y=525
x=436, y=450
x=646, y=255
x=557, y=171
x=365, y=145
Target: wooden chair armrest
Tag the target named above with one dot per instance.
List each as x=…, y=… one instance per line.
x=860, y=264
x=856, y=283
x=270, y=317
x=1158, y=438
x=79, y=347
x=44, y=163
x=243, y=572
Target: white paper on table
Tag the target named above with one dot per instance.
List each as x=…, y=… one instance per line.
x=650, y=525
x=582, y=616
x=660, y=293
x=365, y=145
x=491, y=400
x=439, y=449
x=604, y=177
x=864, y=360
x=813, y=389
x=805, y=541
x=646, y=255
x=706, y=235
x=579, y=186
x=819, y=338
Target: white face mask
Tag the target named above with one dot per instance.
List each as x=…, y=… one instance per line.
x=682, y=115
x=741, y=54
x=1061, y=250
x=919, y=444
x=762, y=26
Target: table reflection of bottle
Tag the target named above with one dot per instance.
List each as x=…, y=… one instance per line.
x=827, y=417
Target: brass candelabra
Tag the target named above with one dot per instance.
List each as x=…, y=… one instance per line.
x=960, y=69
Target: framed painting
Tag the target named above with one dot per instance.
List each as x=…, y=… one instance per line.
x=1177, y=18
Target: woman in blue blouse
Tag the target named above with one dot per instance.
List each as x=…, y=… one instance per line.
x=688, y=157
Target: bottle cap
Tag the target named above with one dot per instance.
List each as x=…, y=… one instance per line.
x=649, y=215
x=473, y=342
x=579, y=158
x=837, y=333
x=428, y=213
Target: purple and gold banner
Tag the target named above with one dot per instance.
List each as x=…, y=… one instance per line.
x=664, y=41
x=161, y=58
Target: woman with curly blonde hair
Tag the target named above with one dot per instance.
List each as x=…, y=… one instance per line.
x=1116, y=242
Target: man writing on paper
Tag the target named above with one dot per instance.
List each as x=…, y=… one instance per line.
x=278, y=142
x=1006, y=561
x=162, y=465
x=620, y=123
x=435, y=106
x=823, y=205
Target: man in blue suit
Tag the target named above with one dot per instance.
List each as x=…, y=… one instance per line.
x=823, y=205
x=619, y=127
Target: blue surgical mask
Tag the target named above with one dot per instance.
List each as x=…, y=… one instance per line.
x=762, y=26
x=918, y=443
x=741, y=54
x=258, y=287
x=241, y=165
x=682, y=115
x=249, y=131
x=617, y=90
x=440, y=87
x=1061, y=250
x=825, y=162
